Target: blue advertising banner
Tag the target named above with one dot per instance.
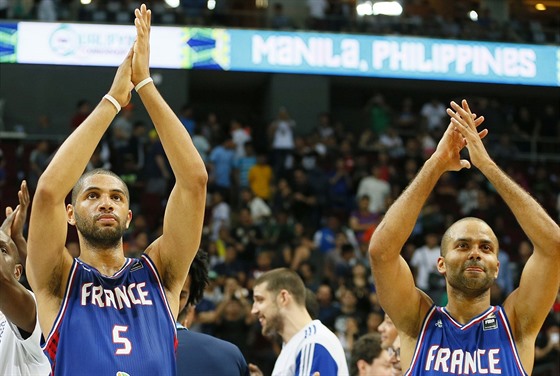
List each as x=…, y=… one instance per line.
x=286, y=52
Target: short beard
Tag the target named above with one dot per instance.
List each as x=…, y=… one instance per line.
x=469, y=286
x=99, y=237
x=274, y=325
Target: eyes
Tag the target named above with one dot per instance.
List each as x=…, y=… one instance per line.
x=4, y=250
x=114, y=196
x=485, y=247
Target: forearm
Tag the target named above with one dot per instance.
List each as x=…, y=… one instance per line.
x=183, y=157
x=539, y=227
x=74, y=154
x=397, y=225
x=16, y=303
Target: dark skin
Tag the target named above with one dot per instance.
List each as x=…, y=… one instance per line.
x=16, y=302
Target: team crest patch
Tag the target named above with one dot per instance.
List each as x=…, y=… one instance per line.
x=490, y=322
x=121, y=373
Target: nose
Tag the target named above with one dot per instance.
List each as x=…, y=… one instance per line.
x=254, y=309
x=474, y=253
x=105, y=203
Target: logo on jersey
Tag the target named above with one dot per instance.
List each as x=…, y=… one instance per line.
x=439, y=324
x=490, y=322
x=121, y=373
x=137, y=266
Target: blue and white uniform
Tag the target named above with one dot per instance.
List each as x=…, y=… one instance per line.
x=314, y=348
x=117, y=325
x=483, y=346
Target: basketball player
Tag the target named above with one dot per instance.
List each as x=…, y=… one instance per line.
x=468, y=335
x=20, y=334
x=103, y=313
x=199, y=353
x=309, y=346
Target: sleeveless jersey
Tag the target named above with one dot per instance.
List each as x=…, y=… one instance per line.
x=483, y=346
x=119, y=325
x=313, y=349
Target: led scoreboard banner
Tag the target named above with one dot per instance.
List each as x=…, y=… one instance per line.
x=285, y=52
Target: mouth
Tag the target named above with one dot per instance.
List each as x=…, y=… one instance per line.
x=107, y=219
x=474, y=269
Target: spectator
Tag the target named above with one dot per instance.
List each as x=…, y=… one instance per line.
x=369, y=358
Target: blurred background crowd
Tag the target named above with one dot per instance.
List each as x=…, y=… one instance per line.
x=522, y=21
x=310, y=201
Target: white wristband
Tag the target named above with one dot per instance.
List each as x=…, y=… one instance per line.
x=113, y=101
x=143, y=83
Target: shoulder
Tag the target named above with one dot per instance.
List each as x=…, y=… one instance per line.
x=219, y=345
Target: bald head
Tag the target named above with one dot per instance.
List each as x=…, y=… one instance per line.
x=458, y=229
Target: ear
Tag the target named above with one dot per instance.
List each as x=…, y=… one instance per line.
x=128, y=218
x=18, y=271
x=362, y=366
x=284, y=298
x=497, y=270
x=441, y=265
x=70, y=215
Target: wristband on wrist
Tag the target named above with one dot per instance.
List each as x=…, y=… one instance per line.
x=113, y=101
x=143, y=83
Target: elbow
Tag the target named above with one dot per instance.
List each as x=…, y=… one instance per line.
x=201, y=178
x=48, y=191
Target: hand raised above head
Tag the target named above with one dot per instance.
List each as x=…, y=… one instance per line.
x=141, y=57
x=122, y=84
x=466, y=125
x=21, y=211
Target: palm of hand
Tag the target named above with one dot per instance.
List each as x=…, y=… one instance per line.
x=140, y=63
x=450, y=148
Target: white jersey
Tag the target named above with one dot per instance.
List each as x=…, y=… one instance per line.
x=20, y=356
x=313, y=349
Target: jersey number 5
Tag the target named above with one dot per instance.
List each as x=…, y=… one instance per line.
x=117, y=339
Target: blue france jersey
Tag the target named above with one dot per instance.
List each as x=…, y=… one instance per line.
x=483, y=346
x=118, y=325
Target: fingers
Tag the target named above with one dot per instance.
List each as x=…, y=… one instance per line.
x=7, y=224
x=465, y=164
x=9, y=211
x=143, y=19
x=479, y=120
x=24, y=198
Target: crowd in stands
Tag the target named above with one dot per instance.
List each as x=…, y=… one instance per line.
x=309, y=201
x=419, y=17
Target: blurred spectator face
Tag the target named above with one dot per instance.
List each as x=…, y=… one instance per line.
x=388, y=332
x=380, y=366
x=363, y=204
x=395, y=356
x=374, y=319
x=431, y=240
x=324, y=295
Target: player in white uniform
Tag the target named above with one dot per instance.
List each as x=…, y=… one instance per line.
x=308, y=345
x=20, y=334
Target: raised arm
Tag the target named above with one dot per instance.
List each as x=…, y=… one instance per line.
x=528, y=306
x=48, y=263
x=394, y=281
x=174, y=251
x=16, y=303
x=19, y=221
